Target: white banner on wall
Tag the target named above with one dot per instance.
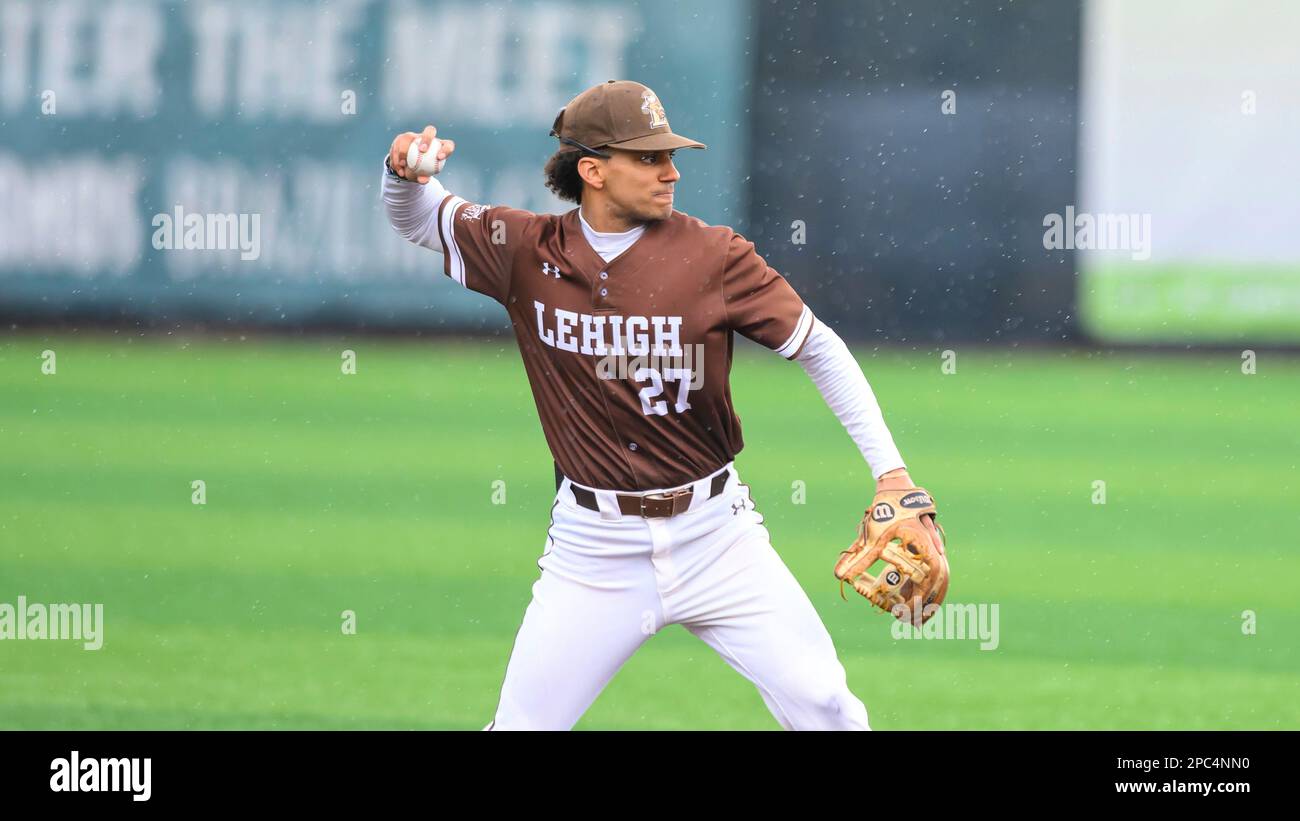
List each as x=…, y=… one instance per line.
x=1189, y=115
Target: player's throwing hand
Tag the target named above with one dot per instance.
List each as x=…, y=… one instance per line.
x=398, y=152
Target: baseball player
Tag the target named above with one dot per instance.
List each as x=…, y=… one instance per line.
x=624, y=311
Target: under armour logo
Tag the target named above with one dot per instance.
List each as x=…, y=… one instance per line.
x=737, y=506
x=551, y=270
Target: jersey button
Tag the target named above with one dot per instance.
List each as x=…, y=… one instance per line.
x=631, y=446
x=604, y=274
x=604, y=291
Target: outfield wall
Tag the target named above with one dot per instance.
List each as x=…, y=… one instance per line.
x=899, y=164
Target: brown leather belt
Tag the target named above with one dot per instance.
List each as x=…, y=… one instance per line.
x=653, y=506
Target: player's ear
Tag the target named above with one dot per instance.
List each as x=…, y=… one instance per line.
x=592, y=171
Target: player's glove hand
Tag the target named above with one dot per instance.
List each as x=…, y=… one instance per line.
x=899, y=529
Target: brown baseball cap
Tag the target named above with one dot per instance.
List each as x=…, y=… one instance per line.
x=618, y=114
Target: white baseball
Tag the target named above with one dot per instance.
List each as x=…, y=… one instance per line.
x=426, y=163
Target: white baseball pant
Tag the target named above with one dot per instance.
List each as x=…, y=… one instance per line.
x=610, y=581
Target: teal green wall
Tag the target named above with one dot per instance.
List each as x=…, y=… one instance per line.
x=201, y=126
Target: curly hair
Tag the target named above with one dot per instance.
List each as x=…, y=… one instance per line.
x=562, y=175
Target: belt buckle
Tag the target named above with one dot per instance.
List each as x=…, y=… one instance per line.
x=672, y=496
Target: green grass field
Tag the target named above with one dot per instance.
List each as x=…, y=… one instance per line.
x=373, y=493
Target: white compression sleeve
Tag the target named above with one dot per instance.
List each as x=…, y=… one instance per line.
x=844, y=387
x=413, y=209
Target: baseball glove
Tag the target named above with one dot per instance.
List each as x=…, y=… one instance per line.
x=915, y=575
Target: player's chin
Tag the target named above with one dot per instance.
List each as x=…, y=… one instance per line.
x=660, y=209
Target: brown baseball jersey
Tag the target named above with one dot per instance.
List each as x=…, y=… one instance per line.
x=628, y=360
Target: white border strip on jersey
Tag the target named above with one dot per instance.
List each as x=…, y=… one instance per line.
x=801, y=330
x=455, y=262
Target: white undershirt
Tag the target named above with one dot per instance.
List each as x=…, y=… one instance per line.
x=413, y=209
x=413, y=212
x=835, y=372
x=609, y=244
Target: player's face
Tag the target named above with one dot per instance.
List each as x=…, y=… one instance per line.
x=640, y=183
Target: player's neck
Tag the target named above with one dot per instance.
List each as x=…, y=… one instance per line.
x=602, y=220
